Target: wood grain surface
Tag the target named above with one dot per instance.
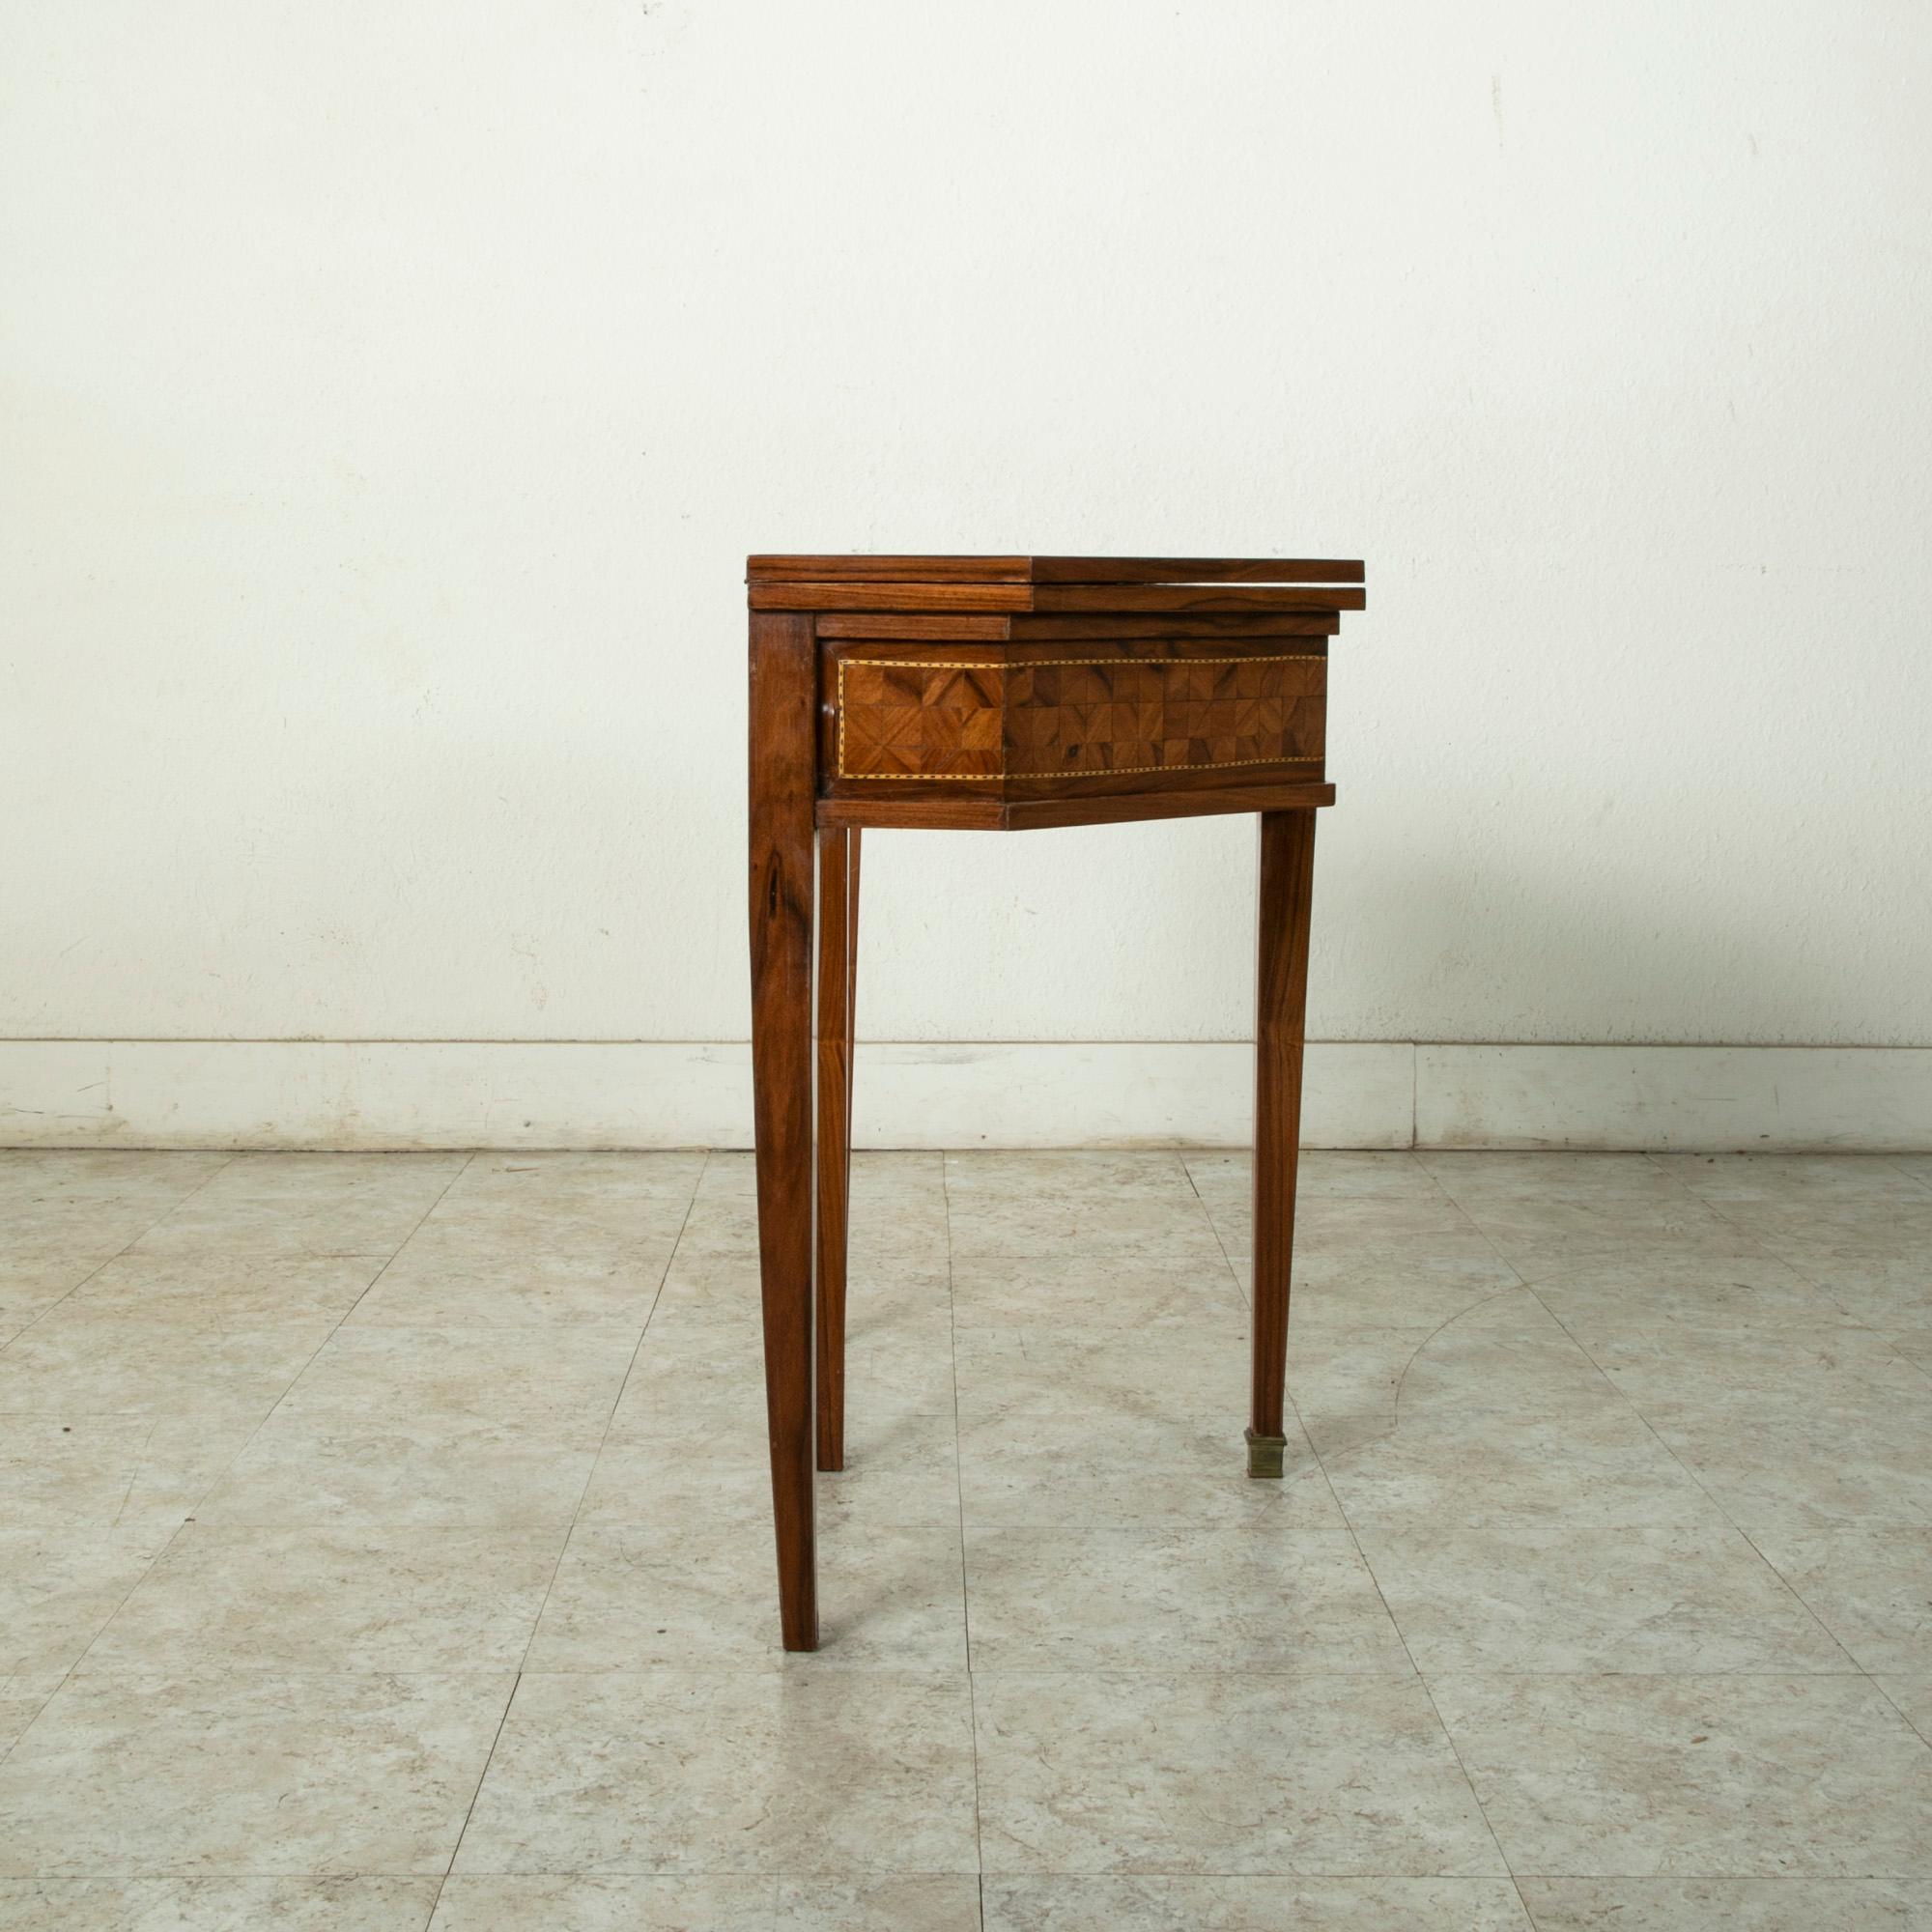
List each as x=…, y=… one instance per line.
x=1003, y=694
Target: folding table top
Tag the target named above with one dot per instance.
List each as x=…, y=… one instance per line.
x=1054, y=584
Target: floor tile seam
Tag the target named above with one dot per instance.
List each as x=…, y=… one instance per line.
x=1436, y=1181
x=1875, y=1678
x=1659, y=1156
x=891, y=1875
x=1738, y=1220
x=1182, y=1529
x=252, y=1672
x=268, y=1415
x=369, y=1285
x=831, y=1875
x=387, y=1525
x=549, y=1325
x=1484, y=1235
x=1811, y=1280
x=190, y=1515
x=115, y=1674
x=1241, y=1286
x=87, y=1649
x=1760, y=1250
x=1244, y=1670
x=1786, y=1877
x=1610, y=1382
x=610, y=1419
x=1662, y=1328
x=716, y=1415
x=1878, y=1684
x=1794, y=1324
x=246, y=1671
x=1402, y=1637
x=1653, y=1157
x=489, y=1758
x=1456, y=1751
x=305, y=1254
x=66, y=1294
x=937, y=1676
x=959, y=1489
x=126, y=1671
x=1354, y=1540
x=1911, y=1361
x=39, y=1711
x=1785, y=1674
x=192, y=1875
x=1716, y=1501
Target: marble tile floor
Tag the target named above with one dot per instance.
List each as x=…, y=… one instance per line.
x=384, y=1543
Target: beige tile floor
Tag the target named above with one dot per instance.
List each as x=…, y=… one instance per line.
x=383, y=1543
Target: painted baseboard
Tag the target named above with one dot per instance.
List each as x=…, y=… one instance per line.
x=367, y=1094
x=1696, y=1098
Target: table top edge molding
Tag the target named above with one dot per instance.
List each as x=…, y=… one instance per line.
x=1125, y=599
x=857, y=568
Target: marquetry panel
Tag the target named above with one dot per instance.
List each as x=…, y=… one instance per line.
x=902, y=720
x=965, y=718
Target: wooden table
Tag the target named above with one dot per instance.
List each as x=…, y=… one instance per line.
x=1000, y=692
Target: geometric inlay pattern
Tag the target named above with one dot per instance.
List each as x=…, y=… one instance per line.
x=1069, y=717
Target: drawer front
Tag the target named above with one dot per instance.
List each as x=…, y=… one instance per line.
x=1030, y=715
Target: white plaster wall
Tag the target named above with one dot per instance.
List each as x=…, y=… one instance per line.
x=389, y=393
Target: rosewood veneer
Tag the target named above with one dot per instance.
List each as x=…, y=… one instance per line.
x=1000, y=692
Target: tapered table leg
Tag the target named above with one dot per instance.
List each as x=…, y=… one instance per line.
x=781, y=866
x=1280, y=1000
x=838, y=948
x=851, y=975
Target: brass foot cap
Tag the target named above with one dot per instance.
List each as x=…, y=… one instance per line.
x=1264, y=1454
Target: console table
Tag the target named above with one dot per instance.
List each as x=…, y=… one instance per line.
x=1000, y=692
